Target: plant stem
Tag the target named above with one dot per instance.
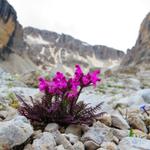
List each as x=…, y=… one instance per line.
x=146, y=111
x=75, y=101
x=79, y=94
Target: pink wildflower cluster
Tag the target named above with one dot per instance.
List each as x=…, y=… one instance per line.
x=59, y=103
x=69, y=88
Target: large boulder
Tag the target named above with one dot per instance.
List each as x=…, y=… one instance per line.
x=45, y=142
x=98, y=133
x=15, y=132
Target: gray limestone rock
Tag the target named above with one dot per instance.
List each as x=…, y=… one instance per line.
x=15, y=131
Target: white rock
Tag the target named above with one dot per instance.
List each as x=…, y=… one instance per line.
x=132, y=83
x=60, y=147
x=119, y=122
x=51, y=127
x=130, y=101
x=109, y=146
x=98, y=133
x=9, y=113
x=25, y=91
x=15, y=131
x=45, y=142
x=145, y=95
x=132, y=143
x=78, y=146
x=61, y=140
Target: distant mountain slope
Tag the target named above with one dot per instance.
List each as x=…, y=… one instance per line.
x=140, y=53
x=54, y=49
x=43, y=48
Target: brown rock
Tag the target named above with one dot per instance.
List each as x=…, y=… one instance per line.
x=120, y=133
x=106, y=119
x=90, y=145
x=51, y=127
x=74, y=129
x=137, y=123
x=109, y=146
x=138, y=133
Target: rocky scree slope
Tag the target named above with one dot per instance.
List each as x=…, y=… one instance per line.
x=122, y=95
x=140, y=53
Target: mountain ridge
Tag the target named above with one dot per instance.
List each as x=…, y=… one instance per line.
x=47, y=49
x=68, y=46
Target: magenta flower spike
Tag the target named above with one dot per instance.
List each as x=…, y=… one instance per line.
x=78, y=72
x=43, y=84
x=94, y=77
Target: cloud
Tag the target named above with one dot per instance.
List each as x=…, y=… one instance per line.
x=114, y=23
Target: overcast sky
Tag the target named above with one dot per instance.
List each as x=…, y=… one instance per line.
x=114, y=23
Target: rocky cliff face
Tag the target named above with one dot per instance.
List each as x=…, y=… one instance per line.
x=8, y=21
x=140, y=53
x=12, y=46
x=55, y=50
x=11, y=32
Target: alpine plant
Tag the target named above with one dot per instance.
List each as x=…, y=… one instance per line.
x=60, y=103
